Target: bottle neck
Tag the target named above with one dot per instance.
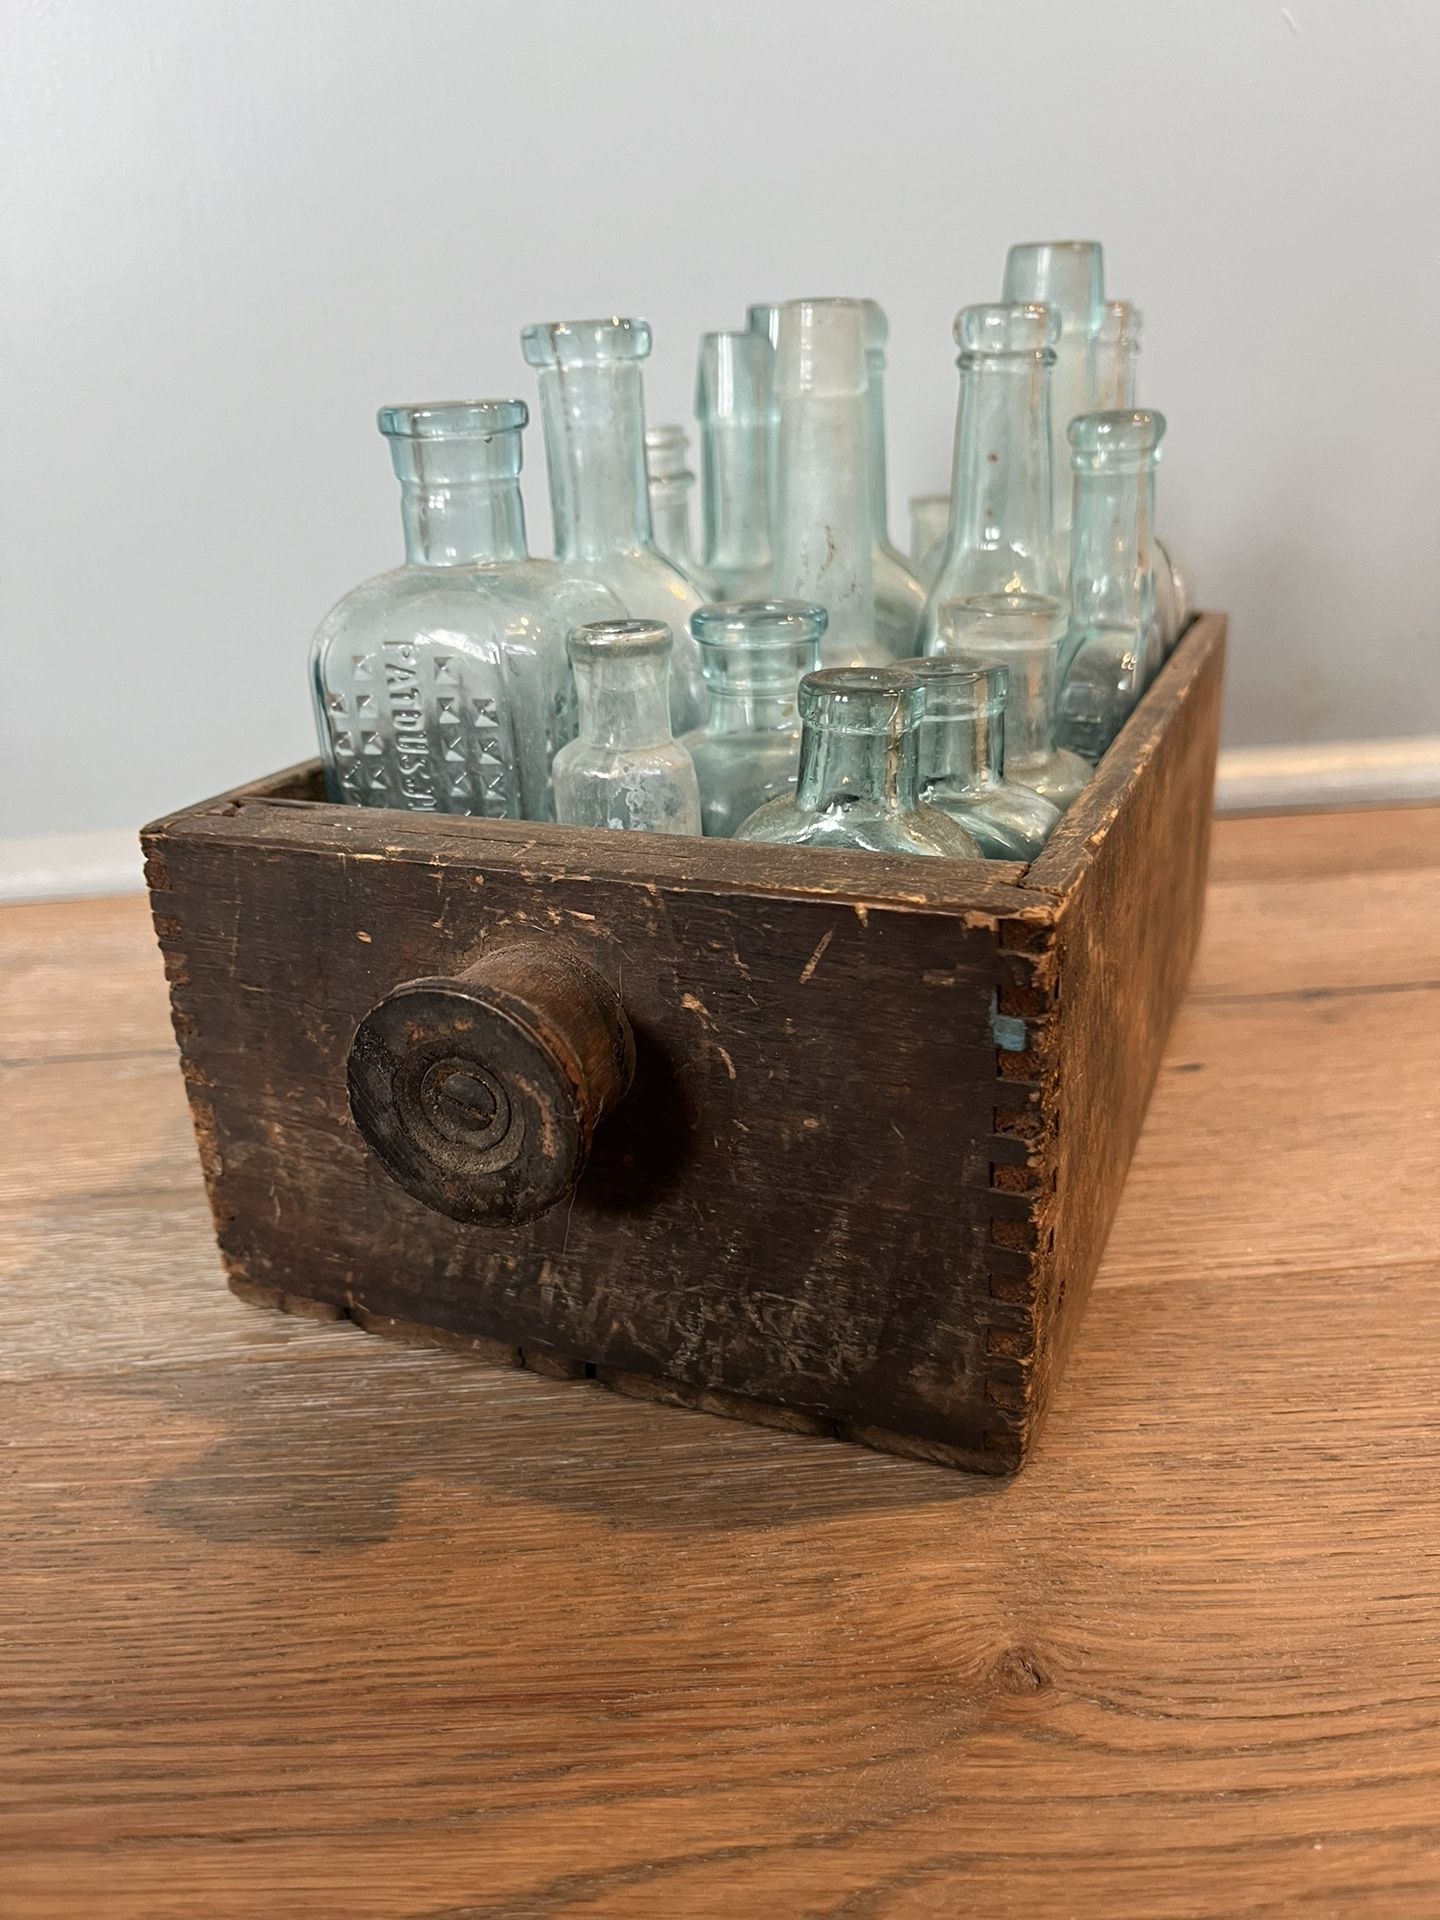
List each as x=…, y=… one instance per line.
x=733, y=456
x=879, y=481
x=1115, y=375
x=758, y=710
x=823, y=539
x=881, y=769
x=1072, y=388
x=1029, y=717
x=1110, y=579
x=593, y=418
x=1000, y=488
x=670, y=519
x=624, y=704
x=963, y=754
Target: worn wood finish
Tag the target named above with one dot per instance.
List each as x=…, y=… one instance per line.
x=880, y=1115
x=302, y=1624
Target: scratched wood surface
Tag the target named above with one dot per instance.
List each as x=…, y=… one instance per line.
x=298, y=1622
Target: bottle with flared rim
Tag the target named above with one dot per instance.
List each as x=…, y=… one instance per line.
x=962, y=761
x=625, y=769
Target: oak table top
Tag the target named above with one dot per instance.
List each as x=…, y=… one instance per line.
x=297, y=1621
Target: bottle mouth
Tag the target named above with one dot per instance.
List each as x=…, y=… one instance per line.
x=452, y=419
x=1118, y=440
x=821, y=348
x=1000, y=328
x=778, y=624
x=576, y=343
x=869, y=701
x=617, y=640
x=1068, y=274
x=959, y=689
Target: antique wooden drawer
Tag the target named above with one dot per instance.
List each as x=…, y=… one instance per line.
x=849, y=1130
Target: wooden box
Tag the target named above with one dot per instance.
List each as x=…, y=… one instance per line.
x=878, y=1118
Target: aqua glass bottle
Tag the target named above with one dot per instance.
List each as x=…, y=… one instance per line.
x=748, y=751
x=763, y=319
x=735, y=405
x=962, y=761
x=1000, y=537
x=1117, y=351
x=592, y=410
x=823, y=539
x=1023, y=634
x=1114, y=645
x=859, y=779
x=1068, y=276
x=899, y=595
x=442, y=686
x=670, y=483
x=929, y=527
x=625, y=769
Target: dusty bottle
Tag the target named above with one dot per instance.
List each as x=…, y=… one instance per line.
x=592, y=410
x=962, y=761
x=442, y=686
x=625, y=769
x=1069, y=277
x=899, y=594
x=735, y=405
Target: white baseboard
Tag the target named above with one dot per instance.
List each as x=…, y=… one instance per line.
x=71, y=866
x=1341, y=773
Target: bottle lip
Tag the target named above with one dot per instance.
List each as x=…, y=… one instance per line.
x=1007, y=328
x=862, y=700
x=821, y=348
x=617, y=640
x=763, y=318
x=570, y=343
x=990, y=619
x=1121, y=322
x=956, y=685
x=877, y=331
x=1097, y=439
x=452, y=419
x=755, y=625
x=1069, y=274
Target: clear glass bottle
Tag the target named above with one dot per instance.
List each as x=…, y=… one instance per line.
x=1117, y=350
x=748, y=751
x=1000, y=535
x=859, y=780
x=442, y=686
x=1024, y=634
x=625, y=769
x=763, y=320
x=899, y=595
x=592, y=410
x=962, y=761
x=1114, y=645
x=929, y=526
x=823, y=543
x=670, y=482
x=1068, y=276
x=735, y=405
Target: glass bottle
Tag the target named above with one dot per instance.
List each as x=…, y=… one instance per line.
x=670, y=483
x=823, y=545
x=859, y=780
x=1117, y=350
x=592, y=410
x=748, y=751
x=1023, y=633
x=1114, y=644
x=1069, y=276
x=763, y=320
x=442, y=686
x=1000, y=536
x=962, y=761
x=899, y=595
x=625, y=769
x=734, y=403
x=929, y=525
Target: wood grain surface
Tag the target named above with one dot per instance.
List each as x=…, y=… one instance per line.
x=298, y=1622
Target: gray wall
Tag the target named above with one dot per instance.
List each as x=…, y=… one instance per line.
x=234, y=229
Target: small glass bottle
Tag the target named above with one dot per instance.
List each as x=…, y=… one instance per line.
x=859, y=781
x=592, y=409
x=748, y=751
x=899, y=595
x=1116, y=352
x=929, y=525
x=442, y=686
x=962, y=761
x=670, y=482
x=1069, y=277
x=1114, y=646
x=1000, y=536
x=735, y=405
x=823, y=542
x=1024, y=634
x=625, y=769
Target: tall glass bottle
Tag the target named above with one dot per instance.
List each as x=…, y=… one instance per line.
x=1116, y=353
x=899, y=595
x=962, y=761
x=624, y=769
x=734, y=403
x=929, y=527
x=592, y=410
x=748, y=751
x=1024, y=634
x=1114, y=645
x=442, y=686
x=823, y=543
x=1000, y=538
x=670, y=483
x=763, y=320
x=1068, y=275
x=859, y=780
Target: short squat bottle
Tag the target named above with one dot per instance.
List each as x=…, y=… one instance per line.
x=1021, y=634
x=1068, y=276
x=1001, y=505
x=625, y=769
x=735, y=404
x=1114, y=645
x=1117, y=350
x=929, y=524
x=592, y=409
x=859, y=784
x=899, y=594
x=442, y=686
x=670, y=484
x=748, y=751
x=962, y=761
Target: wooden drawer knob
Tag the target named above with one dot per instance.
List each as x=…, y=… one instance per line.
x=480, y=1095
